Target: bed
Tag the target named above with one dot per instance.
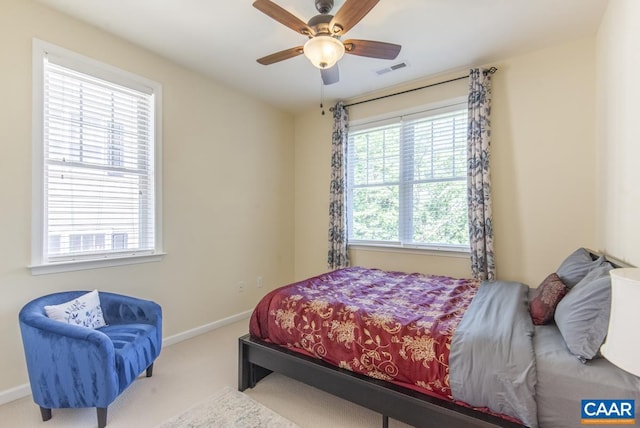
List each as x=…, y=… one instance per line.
x=441, y=352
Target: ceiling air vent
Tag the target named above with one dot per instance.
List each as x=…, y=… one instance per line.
x=394, y=67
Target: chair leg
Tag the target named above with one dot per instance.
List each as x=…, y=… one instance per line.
x=150, y=370
x=102, y=416
x=46, y=414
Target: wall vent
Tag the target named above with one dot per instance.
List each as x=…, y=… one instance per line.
x=394, y=67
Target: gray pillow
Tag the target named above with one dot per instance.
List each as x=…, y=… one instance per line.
x=575, y=267
x=583, y=315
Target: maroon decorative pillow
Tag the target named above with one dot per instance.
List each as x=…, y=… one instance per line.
x=545, y=299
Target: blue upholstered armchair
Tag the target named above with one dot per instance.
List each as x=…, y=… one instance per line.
x=73, y=366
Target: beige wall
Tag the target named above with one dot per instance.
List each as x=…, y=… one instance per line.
x=543, y=160
x=312, y=135
x=228, y=184
x=617, y=137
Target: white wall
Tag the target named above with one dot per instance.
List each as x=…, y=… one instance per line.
x=543, y=161
x=618, y=141
x=228, y=185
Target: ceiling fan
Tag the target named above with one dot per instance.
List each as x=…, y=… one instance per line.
x=324, y=47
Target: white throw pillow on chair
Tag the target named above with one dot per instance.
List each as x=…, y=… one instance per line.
x=83, y=311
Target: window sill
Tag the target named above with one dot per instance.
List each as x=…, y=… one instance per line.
x=74, y=265
x=430, y=251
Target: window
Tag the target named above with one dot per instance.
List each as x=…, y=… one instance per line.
x=407, y=180
x=96, y=163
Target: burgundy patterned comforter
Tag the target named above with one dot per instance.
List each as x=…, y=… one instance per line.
x=387, y=325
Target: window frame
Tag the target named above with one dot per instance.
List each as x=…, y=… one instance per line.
x=443, y=107
x=40, y=264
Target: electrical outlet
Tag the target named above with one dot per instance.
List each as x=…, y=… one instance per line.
x=259, y=282
x=241, y=286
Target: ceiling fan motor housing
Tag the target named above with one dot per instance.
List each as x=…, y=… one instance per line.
x=320, y=23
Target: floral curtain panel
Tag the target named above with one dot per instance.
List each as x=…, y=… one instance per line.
x=338, y=256
x=478, y=179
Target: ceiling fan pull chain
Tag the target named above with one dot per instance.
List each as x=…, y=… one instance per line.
x=322, y=96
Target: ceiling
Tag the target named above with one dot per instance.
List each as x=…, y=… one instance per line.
x=223, y=39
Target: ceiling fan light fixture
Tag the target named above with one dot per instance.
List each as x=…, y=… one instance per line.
x=323, y=51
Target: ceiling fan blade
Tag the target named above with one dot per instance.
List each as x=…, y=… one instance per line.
x=283, y=16
x=351, y=12
x=280, y=56
x=372, y=49
x=330, y=75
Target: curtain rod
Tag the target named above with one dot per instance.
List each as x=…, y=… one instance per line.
x=490, y=70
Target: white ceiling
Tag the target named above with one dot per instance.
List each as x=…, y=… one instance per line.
x=223, y=38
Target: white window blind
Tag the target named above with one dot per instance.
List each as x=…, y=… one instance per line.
x=407, y=182
x=98, y=166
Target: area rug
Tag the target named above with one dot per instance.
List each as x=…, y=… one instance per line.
x=229, y=409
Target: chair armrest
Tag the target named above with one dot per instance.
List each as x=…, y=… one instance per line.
x=57, y=354
x=52, y=328
x=120, y=309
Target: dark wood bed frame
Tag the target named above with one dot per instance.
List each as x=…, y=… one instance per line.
x=257, y=359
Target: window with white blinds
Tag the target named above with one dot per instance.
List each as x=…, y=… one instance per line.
x=97, y=161
x=407, y=180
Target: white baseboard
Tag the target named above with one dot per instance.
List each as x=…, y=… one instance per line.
x=24, y=390
x=16, y=393
x=176, y=338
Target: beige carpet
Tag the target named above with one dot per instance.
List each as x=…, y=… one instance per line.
x=188, y=373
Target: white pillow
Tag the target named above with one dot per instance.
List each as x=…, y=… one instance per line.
x=83, y=311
